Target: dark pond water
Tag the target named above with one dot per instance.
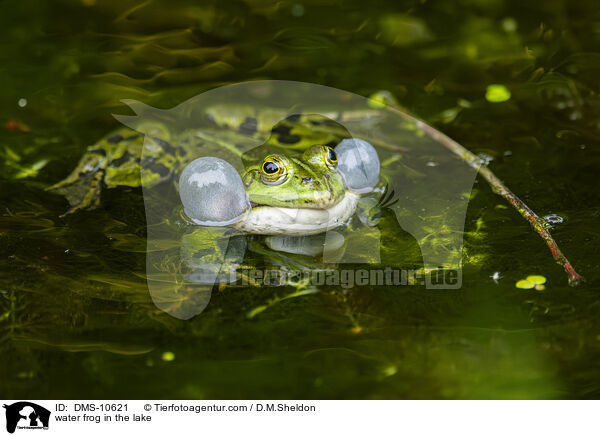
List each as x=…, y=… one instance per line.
x=76, y=318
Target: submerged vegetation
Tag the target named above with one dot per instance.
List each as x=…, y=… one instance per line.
x=516, y=84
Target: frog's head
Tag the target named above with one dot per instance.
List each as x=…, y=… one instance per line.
x=309, y=181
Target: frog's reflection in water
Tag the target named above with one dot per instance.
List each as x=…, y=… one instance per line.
x=216, y=255
x=212, y=257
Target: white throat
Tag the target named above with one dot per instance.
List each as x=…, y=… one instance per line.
x=270, y=220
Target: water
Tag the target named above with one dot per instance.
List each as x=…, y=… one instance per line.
x=76, y=318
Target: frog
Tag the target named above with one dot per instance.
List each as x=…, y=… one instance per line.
x=116, y=160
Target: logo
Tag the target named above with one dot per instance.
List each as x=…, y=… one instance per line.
x=26, y=415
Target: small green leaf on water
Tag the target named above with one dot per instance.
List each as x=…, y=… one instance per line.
x=537, y=279
x=525, y=284
x=497, y=93
x=168, y=356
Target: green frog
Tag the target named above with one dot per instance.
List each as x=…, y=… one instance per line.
x=308, y=185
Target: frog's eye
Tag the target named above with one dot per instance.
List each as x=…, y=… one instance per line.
x=273, y=170
x=330, y=155
x=322, y=156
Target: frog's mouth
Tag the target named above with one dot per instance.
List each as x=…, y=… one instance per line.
x=321, y=200
x=274, y=220
x=256, y=205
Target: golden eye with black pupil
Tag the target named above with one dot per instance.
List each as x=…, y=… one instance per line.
x=330, y=156
x=273, y=170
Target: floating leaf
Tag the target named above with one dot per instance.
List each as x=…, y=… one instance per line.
x=168, y=356
x=536, y=279
x=525, y=284
x=497, y=93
